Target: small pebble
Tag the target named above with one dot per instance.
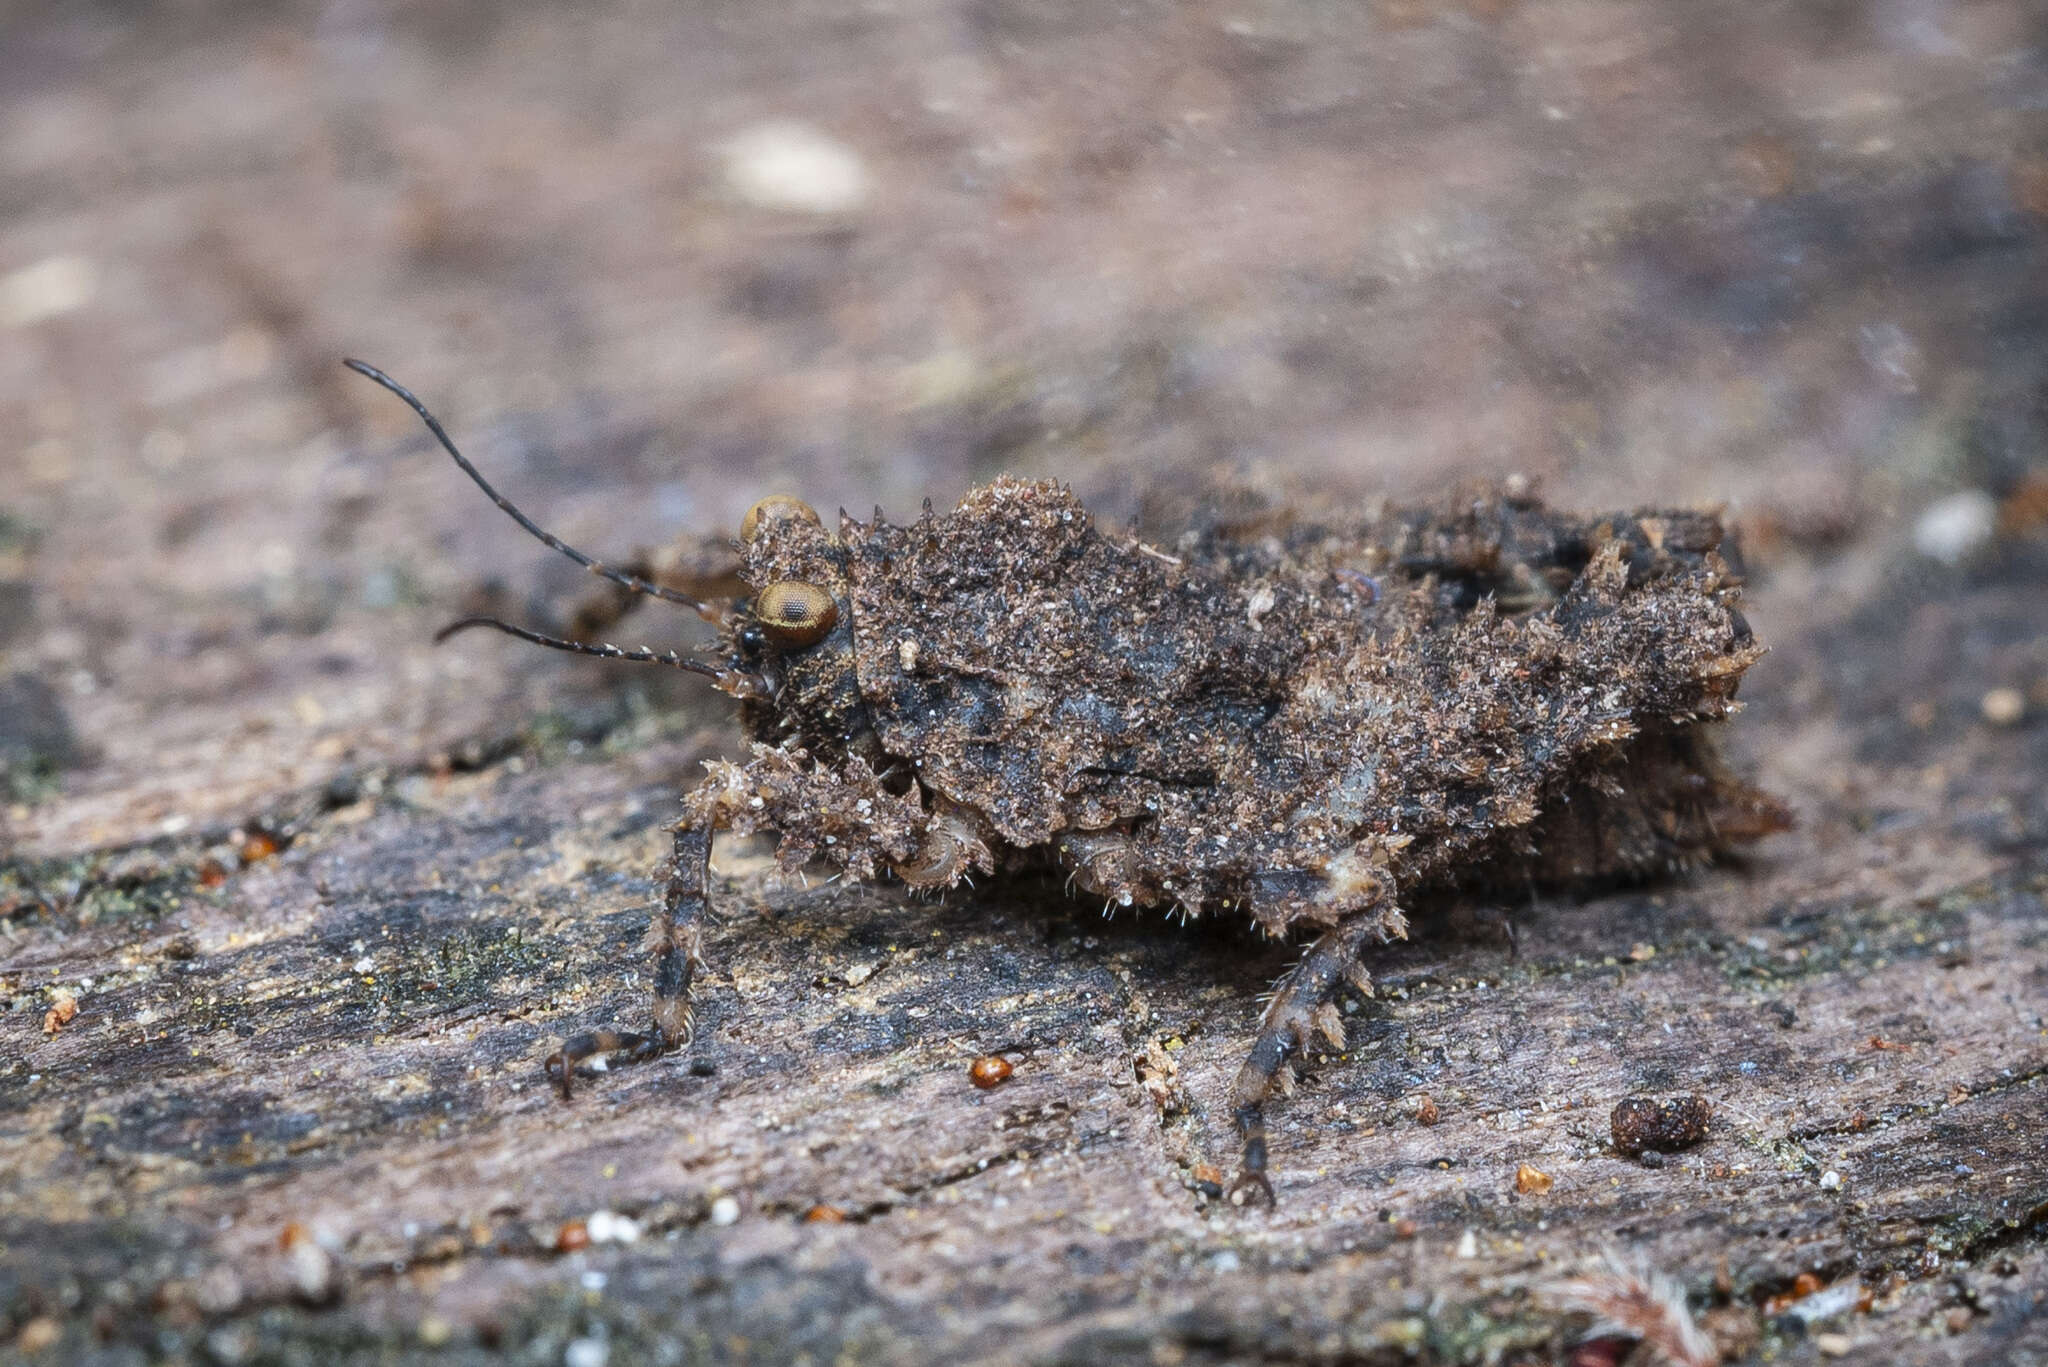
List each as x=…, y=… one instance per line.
x=50, y=288
x=586, y=1353
x=1643, y=1124
x=606, y=1227
x=1532, y=1181
x=1954, y=528
x=1468, y=1244
x=792, y=166
x=1831, y=1180
x=725, y=1211
x=38, y=1334
x=313, y=1273
x=2003, y=706
x=1833, y=1345
x=1822, y=1304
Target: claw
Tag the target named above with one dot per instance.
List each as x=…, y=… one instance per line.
x=628, y=1046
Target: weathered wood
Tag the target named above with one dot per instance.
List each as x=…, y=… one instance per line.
x=346, y=1037
x=299, y=1113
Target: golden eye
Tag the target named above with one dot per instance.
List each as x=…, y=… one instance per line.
x=794, y=613
x=776, y=508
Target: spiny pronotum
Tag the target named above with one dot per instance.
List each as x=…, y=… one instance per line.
x=1309, y=722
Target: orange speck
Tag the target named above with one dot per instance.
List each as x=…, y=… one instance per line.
x=257, y=844
x=572, y=1235
x=1532, y=1181
x=990, y=1070
x=59, y=1015
x=822, y=1214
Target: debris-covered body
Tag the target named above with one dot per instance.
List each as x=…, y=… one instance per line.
x=1304, y=724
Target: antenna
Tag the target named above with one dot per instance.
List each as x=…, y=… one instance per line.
x=736, y=682
x=634, y=583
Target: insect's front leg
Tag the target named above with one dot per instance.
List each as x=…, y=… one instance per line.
x=676, y=938
x=1302, y=1004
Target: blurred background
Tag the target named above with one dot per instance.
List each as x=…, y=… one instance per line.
x=650, y=261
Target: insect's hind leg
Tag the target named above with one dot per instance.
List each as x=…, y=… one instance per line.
x=676, y=938
x=1301, y=1004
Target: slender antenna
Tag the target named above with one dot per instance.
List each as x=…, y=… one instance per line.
x=709, y=613
x=736, y=682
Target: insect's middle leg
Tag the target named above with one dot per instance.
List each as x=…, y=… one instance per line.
x=1302, y=1004
x=676, y=938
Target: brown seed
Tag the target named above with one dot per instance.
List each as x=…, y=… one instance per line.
x=1532, y=1181
x=990, y=1070
x=1405, y=1228
x=1659, y=1126
x=822, y=1214
x=572, y=1235
x=1804, y=1285
x=212, y=874
x=1648, y=1125
x=1426, y=1111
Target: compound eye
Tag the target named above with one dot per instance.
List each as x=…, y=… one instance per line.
x=794, y=613
x=776, y=508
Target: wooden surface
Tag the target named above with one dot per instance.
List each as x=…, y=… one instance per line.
x=299, y=1113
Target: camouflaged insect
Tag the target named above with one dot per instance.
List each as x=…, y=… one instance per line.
x=1307, y=723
